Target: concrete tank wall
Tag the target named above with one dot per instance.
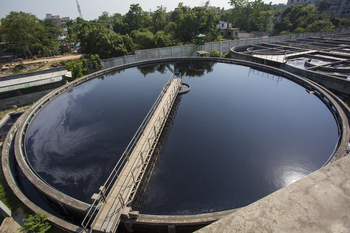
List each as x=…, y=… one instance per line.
x=70, y=204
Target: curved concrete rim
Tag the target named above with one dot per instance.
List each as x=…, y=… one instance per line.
x=23, y=122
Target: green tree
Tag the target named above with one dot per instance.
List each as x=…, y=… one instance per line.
x=250, y=16
x=136, y=18
x=84, y=66
x=105, y=19
x=35, y=224
x=198, y=21
x=76, y=67
x=159, y=18
x=301, y=19
x=143, y=38
x=28, y=34
x=96, y=39
x=324, y=5
x=161, y=39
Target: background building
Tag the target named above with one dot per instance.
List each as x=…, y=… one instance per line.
x=227, y=31
x=55, y=18
x=64, y=20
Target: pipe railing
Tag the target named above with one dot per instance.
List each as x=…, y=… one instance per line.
x=131, y=180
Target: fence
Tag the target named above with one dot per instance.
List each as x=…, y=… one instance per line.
x=222, y=47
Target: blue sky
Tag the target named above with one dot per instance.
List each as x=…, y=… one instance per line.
x=91, y=9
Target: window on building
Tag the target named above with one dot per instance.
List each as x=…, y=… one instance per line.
x=229, y=33
x=236, y=33
x=222, y=25
x=222, y=34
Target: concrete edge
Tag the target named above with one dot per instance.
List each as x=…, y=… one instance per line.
x=178, y=220
x=7, y=170
x=318, y=202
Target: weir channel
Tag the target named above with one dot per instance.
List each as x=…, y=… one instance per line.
x=120, y=188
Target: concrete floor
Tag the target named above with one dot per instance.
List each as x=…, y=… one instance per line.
x=320, y=202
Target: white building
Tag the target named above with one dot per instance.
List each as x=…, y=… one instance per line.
x=224, y=25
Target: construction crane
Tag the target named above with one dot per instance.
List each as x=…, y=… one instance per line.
x=81, y=15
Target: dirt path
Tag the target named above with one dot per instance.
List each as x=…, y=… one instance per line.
x=53, y=59
x=44, y=63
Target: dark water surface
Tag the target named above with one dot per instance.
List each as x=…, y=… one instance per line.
x=238, y=136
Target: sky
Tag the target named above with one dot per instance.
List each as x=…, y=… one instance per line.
x=91, y=9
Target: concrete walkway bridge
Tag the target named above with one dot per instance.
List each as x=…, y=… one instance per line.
x=117, y=193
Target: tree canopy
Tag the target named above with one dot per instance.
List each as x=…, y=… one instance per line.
x=250, y=15
x=116, y=35
x=29, y=35
x=301, y=19
x=96, y=39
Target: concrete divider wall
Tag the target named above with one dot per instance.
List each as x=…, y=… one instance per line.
x=41, y=72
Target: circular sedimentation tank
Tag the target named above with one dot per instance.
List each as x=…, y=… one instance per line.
x=242, y=132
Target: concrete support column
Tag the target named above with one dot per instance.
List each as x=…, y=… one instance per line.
x=128, y=226
x=171, y=229
x=159, y=52
x=124, y=59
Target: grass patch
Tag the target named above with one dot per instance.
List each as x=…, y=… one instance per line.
x=347, y=101
x=6, y=195
x=4, y=111
x=35, y=69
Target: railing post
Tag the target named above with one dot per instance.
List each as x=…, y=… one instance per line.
x=141, y=153
x=132, y=175
x=121, y=199
x=102, y=191
x=155, y=131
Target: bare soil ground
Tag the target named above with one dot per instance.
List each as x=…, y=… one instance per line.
x=37, y=64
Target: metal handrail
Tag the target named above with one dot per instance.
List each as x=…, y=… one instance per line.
x=137, y=165
x=122, y=161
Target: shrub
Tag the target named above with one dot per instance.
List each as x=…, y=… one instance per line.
x=35, y=224
x=227, y=55
x=215, y=53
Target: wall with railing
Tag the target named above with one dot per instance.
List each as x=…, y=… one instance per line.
x=221, y=46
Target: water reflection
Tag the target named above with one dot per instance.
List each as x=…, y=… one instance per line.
x=194, y=69
x=263, y=74
x=161, y=68
x=236, y=137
